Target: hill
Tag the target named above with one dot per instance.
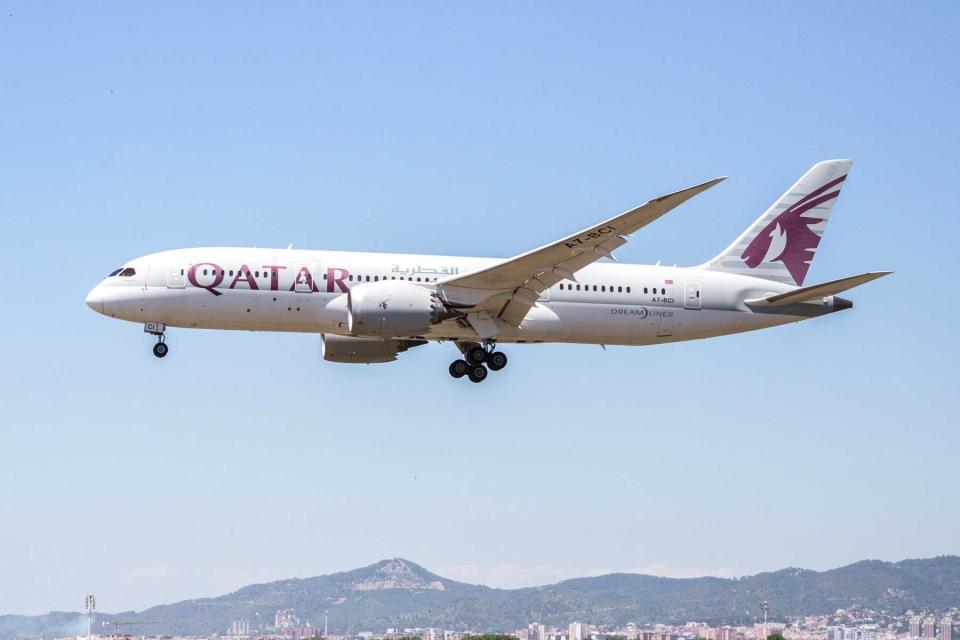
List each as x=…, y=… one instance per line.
x=400, y=593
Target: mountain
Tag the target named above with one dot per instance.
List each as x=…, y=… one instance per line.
x=400, y=593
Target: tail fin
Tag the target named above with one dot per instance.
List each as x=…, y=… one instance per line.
x=780, y=245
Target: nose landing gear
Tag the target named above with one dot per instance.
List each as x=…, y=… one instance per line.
x=477, y=357
x=158, y=329
x=160, y=349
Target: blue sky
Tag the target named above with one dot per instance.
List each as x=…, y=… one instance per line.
x=456, y=129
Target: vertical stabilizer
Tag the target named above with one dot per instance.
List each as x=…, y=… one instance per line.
x=781, y=244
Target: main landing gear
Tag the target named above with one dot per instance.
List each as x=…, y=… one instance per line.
x=476, y=360
x=158, y=329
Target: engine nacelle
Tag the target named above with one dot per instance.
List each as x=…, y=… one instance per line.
x=393, y=308
x=363, y=350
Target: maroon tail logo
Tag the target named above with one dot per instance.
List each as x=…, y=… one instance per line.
x=799, y=241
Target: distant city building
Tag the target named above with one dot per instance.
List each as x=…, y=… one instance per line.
x=240, y=628
x=576, y=631
x=726, y=632
x=930, y=628
x=761, y=632
x=946, y=628
x=843, y=632
x=536, y=631
x=915, y=624
x=285, y=619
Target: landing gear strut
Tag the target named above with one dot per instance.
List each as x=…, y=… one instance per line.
x=476, y=359
x=158, y=329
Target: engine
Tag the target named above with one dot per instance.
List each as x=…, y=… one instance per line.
x=393, y=308
x=363, y=350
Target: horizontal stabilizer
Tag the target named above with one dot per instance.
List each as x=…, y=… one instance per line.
x=816, y=291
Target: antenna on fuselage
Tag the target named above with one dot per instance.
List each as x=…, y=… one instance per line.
x=289, y=246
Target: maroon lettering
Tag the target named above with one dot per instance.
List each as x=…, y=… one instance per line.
x=274, y=275
x=333, y=278
x=304, y=279
x=245, y=275
x=217, y=277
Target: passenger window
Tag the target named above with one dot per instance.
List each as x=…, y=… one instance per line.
x=578, y=287
x=663, y=292
x=628, y=289
x=351, y=278
x=619, y=289
x=204, y=272
x=594, y=287
x=368, y=278
x=644, y=289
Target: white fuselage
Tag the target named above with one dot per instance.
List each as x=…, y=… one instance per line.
x=304, y=291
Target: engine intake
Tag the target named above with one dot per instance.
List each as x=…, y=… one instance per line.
x=394, y=309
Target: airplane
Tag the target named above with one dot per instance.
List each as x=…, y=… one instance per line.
x=370, y=307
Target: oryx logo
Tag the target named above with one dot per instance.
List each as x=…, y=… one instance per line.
x=789, y=237
x=383, y=304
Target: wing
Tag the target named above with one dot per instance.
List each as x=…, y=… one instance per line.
x=507, y=290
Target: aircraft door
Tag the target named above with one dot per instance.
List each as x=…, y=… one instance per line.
x=691, y=296
x=177, y=276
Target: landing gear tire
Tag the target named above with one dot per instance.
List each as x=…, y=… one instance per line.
x=160, y=349
x=497, y=360
x=477, y=356
x=478, y=373
x=459, y=368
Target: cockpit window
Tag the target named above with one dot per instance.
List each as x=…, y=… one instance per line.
x=113, y=273
x=129, y=271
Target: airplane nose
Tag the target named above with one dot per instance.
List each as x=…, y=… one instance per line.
x=95, y=300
